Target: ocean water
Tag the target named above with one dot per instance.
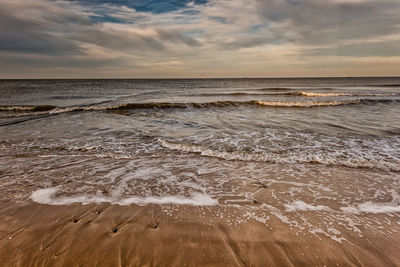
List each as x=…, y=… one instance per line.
x=320, y=154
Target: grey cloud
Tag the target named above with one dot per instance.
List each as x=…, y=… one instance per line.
x=118, y=40
x=26, y=35
x=177, y=37
x=247, y=42
x=373, y=49
x=26, y=61
x=58, y=28
x=326, y=21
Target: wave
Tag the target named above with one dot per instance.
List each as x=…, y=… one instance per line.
x=46, y=109
x=64, y=97
x=296, y=93
x=305, y=104
x=24, y=108
x=241, y=94
x=378, y=101
x=169, y=105
x=275, y=89
x=280, y=158
x=43, y=109
x=301, y=93
x=384, y=85
x=311, y=94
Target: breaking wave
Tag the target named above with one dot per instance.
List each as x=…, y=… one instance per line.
x=305, y=104
x=332, y=159
x=297, y=93
x=47, y=109
x=242, y=94
x=312, y=94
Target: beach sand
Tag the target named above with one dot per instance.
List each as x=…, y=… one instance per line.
x=34, y=234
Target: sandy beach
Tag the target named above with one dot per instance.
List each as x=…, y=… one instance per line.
x=112, y=235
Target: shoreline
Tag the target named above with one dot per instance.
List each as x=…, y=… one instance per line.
x=106, y=234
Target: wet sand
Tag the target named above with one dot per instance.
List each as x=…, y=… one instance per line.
x=34, y=234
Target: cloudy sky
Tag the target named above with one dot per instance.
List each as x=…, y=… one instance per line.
x=209, y=38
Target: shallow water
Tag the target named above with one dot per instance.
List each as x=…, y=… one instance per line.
x=322, y=155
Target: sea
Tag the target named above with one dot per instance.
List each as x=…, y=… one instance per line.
x=321, y=155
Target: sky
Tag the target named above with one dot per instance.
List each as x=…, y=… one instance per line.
x=201, y=38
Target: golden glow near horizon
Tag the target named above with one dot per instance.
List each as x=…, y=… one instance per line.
x=161, y=39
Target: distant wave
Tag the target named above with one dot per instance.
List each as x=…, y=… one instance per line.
x=304, y=104
x=275, y=89
x=281, y=158
x=63, y=97
x=23, y=108
x=296, y=89
x=241, y=94
x=310, y=94
x=22, y=111
x=307, y=104
x=18, y=111
x=377, y=101
x=383, y=85
x=296, y=93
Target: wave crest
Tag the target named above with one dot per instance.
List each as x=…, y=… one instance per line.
x=24, y=108
x=310, y=94
x=19, y=111
x=304, y=104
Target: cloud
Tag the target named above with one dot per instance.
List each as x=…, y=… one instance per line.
x=370, y=49
x=334, y=20
x=35, y=26
x=185, y=38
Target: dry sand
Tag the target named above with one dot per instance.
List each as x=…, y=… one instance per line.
x=33, y=234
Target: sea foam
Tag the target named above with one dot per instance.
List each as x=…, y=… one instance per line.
x=376, y=208
x=329, y=159
x=304, y=104
x=48, y=196
x=302, y=206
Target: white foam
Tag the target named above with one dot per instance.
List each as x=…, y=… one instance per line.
x=302, y=206
x=376, y=208
x=329, y=159
x=370, y=207
x=47, y=196
x=313, y=94
x=305, y=104
x=78, y=108
x=310, y=94
x=18, y=108
x=196, y=200
x=332, y=233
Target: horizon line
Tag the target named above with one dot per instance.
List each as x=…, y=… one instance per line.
x=202, y=78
